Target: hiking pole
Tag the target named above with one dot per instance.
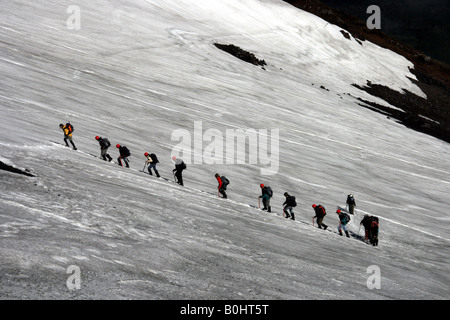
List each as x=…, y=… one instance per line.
x=313, y=221
x=259, y=202
x=145, y=163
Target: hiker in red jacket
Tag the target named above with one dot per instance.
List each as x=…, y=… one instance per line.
x=223, y=182
x=320, y=214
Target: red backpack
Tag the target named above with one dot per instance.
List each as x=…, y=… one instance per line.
x=322, y=209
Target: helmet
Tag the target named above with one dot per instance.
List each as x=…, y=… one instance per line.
x=217, y=175
x=61, y=125
x=261, y=185
x=146, y=154
x=314, y=205
x=338, y=211
x=118, y=146
x=174, y=158
x=286, y=194
x=97, y=137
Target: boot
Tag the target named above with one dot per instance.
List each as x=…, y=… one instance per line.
x=157, y=173
x=109, y=157
x=269, y=210
x=292, y=216
x=346, y=233
x=324, y=226
x=340, y=232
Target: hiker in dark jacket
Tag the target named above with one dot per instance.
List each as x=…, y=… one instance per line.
x=373, y=231
x=320, y=214
x=223, y=182
x=288, y=205
x=124, y=154
x=366, y=222
x=104, y=145
x=266, y=195
x=152, y=160
x=351, y=203
x=370, y=224
x=179, y=167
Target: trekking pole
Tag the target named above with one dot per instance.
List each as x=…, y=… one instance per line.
x=313, y=221
x=259, y=202
x=145, y=163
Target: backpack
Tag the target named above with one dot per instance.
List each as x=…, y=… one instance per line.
x=225, y=181
x=350, y=199
x=106, y=143
x=292, y=201
x=346, y=218
x=269, y=191
x=154, y=158
x=126, y=152
x=69, y=127
x=322, y=210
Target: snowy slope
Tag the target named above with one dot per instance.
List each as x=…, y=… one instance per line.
x=138, y=71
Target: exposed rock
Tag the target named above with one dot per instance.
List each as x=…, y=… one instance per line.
x=6, y=167
x=241, y=54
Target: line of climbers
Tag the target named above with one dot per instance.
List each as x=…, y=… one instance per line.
x=370, y=223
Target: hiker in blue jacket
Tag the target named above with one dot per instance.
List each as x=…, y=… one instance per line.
x=344, y=218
